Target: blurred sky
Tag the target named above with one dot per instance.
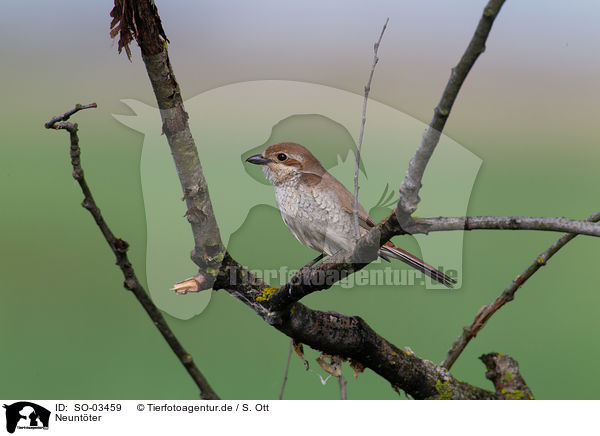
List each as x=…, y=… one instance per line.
x=540, y=52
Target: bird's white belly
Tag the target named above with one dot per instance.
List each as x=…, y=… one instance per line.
x=316, y=221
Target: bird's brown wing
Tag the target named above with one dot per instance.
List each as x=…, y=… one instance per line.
x=346, y=199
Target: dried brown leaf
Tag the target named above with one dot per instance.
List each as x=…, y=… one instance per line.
x=357, y=367
x=333, y=367
x=299, y=349
x=129, y=17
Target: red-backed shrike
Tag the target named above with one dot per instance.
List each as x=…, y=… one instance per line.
x=318, y=209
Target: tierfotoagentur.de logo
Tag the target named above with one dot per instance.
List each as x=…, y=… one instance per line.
x=26, y=415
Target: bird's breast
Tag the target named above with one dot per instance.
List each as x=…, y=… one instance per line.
x=315, y=218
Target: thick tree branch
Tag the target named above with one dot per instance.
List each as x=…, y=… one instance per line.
x=486, y=312
x=362, y=130
x=349, y=337
x=119, y=248
x=409, y=190
x=140, y=20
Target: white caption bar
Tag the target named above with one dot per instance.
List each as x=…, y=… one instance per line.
x=23, y=417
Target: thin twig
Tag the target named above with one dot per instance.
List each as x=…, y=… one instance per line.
x=287, y=367
x=343, y=393
x=119, y=248
x=486, y=312
x=362, y=128
x=64, y=117
x=409, y=190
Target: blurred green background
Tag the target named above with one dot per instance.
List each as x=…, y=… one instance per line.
x=528, y=110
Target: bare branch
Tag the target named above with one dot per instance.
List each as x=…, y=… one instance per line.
x=119, y=248
x=426, y=225
x=141, y=21
x=64, y=117
x=362, y=129
x=343, y=393
x=486, y=312
x=287, y=367
x=409, y=190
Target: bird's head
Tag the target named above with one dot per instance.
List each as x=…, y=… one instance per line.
x=286, y=162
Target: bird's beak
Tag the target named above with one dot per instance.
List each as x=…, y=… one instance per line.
x=257, y=159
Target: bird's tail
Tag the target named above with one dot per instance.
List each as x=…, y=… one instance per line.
x=391, y=250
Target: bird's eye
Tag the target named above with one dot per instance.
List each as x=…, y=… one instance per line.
x=281, y=157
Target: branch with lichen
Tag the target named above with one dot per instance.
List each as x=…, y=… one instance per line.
x=351, y=338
